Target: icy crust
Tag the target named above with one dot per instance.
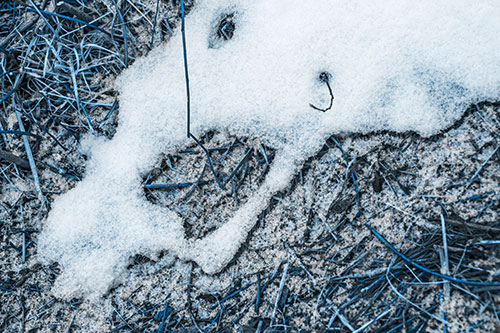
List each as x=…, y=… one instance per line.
x=397, y=65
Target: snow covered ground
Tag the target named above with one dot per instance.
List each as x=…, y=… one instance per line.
x=319, y=117
x=396, y=65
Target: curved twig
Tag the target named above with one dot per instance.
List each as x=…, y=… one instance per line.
x=324, y=77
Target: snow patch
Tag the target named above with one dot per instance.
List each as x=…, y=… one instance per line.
x=396, y=65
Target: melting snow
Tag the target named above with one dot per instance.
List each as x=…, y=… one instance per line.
x=396, y=65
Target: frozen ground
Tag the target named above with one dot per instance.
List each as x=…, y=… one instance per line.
x=308, y=263
x=399, y=69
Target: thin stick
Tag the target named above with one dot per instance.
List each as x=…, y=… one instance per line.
x=280, y=292
x=186, y=73
x=124, y=29
x=153, y=33
x=31, y=160
x=323, y=77
x=188, y=98
x=481, y=167
x=445, y=265
x=210, y=165
x=90, y=25
x=343, y=319
x=12, y=158
x=470, y=225
x=299, y=261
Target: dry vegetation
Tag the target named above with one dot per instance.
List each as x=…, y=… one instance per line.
x=313, y=262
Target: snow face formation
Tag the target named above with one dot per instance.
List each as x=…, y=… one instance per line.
x=399, y=65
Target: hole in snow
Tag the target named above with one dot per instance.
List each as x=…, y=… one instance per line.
x=223, y=30
x=324, y=76
x=226, y=27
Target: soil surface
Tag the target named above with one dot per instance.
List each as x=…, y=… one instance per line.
x=355, y=243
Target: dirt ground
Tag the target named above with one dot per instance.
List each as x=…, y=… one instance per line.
x=313, y=262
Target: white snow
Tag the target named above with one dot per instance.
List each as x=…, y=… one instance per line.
x=398, y=65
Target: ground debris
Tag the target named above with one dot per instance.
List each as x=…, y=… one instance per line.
x=310, y=263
